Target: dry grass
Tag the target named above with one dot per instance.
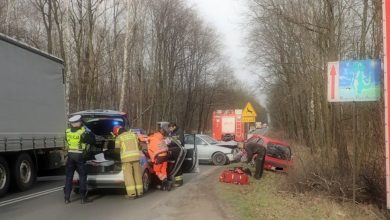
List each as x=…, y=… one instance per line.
x=267, y=199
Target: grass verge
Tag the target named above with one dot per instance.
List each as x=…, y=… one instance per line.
x=267, y=199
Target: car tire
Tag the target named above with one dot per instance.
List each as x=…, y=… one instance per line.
x=4, y=176
x=146, y=181
x=219, y=159
x=24, y=172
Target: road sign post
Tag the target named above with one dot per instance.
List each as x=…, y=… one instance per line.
x=386, y=68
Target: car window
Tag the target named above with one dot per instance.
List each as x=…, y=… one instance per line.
x=200, y=141
x=189, y=139
x=209, y=140
x=279, y=151
x=253, y=140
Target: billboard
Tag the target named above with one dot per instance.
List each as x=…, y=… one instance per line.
x=354, y=81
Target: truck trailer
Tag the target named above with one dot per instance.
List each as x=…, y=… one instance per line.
x=32, y=114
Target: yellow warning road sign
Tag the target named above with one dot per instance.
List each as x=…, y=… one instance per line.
x=249, y=111
x=248, y=119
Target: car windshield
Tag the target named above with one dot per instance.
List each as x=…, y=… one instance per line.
x=279, y=151
x=209, y=139
x=103, y=125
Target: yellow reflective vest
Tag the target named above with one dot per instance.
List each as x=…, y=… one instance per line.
x=129, y=148
x=74, y=139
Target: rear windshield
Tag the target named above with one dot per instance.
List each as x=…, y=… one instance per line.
x=279, y=151
x=103, y=125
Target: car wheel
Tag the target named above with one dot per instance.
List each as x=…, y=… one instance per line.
x=219, y=159
x=24, y=173
x=146, y=180
x=4, y=176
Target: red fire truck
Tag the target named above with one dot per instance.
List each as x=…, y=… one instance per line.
x=227, y=125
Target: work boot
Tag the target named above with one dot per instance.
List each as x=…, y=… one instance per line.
x=164, y=184
x=85, y=200
x=67, y=200
x=169, y=185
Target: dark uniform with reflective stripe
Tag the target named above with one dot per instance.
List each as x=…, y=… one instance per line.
x=253, y=149
x=77, y=139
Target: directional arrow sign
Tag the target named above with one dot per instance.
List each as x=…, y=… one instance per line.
x=333, y=81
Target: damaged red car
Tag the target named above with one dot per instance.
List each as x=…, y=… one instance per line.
x=279, y=154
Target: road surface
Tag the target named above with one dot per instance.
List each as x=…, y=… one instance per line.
x=45, y=201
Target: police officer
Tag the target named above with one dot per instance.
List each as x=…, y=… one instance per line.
x=77, y=138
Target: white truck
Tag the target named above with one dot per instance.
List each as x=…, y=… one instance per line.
x=32, y=114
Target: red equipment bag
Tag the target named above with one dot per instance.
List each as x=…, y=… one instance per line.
x=236, y=176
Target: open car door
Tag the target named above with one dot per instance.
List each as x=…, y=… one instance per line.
x=191, y=162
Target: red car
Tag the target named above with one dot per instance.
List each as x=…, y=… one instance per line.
x=279, y=155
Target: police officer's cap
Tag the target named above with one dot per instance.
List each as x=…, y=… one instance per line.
x=75, y=118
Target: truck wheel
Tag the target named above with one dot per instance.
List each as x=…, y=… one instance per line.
x=24, y=172
x=219, y=159
x=146, y=180
x=4, y=176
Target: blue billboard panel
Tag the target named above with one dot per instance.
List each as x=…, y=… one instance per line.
x=359, y=80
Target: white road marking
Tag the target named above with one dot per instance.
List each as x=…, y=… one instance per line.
x=30, y=196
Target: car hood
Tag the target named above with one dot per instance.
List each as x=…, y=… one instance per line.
x=227, y=144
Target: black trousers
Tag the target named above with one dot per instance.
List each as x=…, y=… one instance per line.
x=75, y=162
x=259, y=166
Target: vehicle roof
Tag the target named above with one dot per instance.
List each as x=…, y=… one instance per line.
x=99, y=112
x=30, y=48
x=272, y=140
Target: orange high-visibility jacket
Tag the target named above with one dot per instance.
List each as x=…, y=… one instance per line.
x=157, y=145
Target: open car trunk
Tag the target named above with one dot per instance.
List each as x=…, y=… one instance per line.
x=101, y=126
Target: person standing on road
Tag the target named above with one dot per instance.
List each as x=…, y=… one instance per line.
x=158, y=151
x=77, y=138
x=128, y=144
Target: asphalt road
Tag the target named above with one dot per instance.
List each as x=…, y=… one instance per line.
x=45, y=201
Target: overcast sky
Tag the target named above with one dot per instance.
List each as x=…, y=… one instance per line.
x=229, y=18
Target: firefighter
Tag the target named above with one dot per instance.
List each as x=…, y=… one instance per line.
x=127, y=142
x=158, y=152
x=174, y=133
x=254, y=152
x=77, y=138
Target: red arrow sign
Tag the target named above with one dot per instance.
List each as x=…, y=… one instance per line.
x=333, y=75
